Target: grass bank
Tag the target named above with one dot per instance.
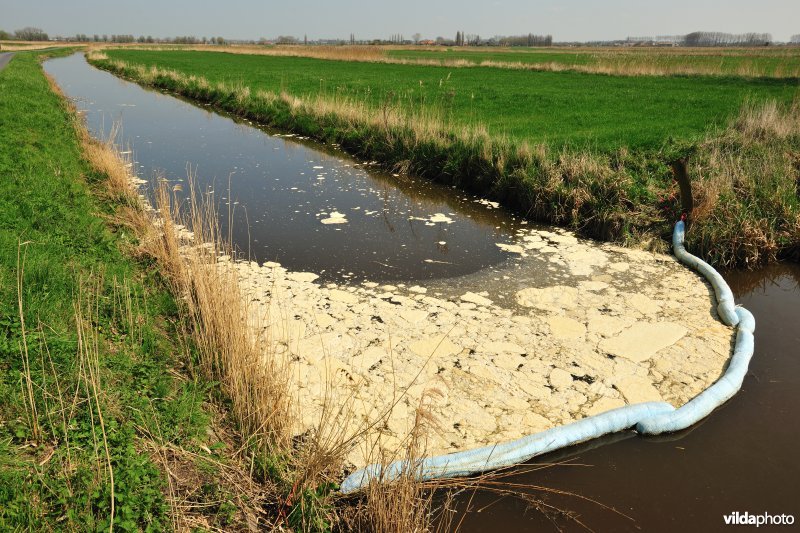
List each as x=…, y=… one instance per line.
x=107, y=417
x=101, y=424
x=744, y=170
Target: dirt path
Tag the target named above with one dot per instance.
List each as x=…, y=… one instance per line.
x=5, y=57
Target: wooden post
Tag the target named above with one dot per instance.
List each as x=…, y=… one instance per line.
x=681, y=175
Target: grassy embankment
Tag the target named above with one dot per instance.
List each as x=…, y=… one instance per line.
x=134, y=393
x=775, y=62
x=102, y=424
x=574, y=149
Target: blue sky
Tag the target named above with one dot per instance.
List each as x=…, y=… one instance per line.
x=566, y=20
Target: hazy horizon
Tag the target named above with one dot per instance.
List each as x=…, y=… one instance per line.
x=571, y=20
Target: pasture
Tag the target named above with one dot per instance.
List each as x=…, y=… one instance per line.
x=557, y=108
x=747, y=62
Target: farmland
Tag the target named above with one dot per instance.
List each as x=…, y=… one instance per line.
x=557, y=108
x=750, y=62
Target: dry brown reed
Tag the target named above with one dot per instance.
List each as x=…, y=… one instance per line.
x=22, y=46
x=85, y=308
x=404, y=503
x=229, y=350
x=89, y=390
x=769, y=119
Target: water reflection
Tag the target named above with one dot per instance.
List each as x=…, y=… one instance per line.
x=762, y=280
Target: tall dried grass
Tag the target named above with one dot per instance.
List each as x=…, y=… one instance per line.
x=768, y=120
x=22, y=46
x=747, y=187
x=54, y=402
x=404, y=503
x=219, y=320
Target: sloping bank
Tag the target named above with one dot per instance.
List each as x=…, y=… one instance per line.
x=107, y=418
x=747, y=209
x=92, y=397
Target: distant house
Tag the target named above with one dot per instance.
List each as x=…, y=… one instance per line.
x=427, y=42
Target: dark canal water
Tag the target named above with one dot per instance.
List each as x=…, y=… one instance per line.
x=286, y=196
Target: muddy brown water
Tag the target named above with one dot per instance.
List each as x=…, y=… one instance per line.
x=741, y=458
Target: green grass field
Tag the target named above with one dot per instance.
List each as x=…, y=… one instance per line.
x=557, y=108
x=763, y=61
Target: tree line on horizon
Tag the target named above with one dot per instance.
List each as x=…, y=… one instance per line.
x=463, y=39
x=694, y=39
x=714, y=38
x=36, y=34
x=25, y=34
x=181, y=39
x=708, y=39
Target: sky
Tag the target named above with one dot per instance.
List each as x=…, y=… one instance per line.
x=566, y=20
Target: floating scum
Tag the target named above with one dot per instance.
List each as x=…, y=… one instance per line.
x=649, y=418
